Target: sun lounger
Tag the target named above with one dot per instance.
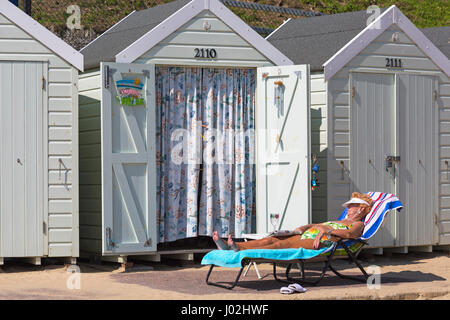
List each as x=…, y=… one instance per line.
x=348, y=248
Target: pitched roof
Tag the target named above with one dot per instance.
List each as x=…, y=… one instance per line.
x=41, y=34
x=440, y=36
x=188, y=12
x=315, y=40
x=127, y=31
x=141, y=30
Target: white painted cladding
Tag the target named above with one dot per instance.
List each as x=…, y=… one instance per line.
x=179, y=47
x=318, y=113
x=61, y=153
x=373, y=59
x=90, y=163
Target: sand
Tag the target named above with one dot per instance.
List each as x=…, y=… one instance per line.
x=403, y=276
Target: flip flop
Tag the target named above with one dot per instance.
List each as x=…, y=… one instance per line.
x=286, y=290
x=296, y=287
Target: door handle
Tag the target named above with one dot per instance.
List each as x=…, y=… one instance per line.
x=18, y=161
x=390, y=161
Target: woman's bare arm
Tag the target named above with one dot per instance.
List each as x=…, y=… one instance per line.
x=354, y=232
x=304, y=228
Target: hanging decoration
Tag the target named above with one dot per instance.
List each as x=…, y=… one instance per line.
x=129, y=92
x=315, y=170
x=279, y=97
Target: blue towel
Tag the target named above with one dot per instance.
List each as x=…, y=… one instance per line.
x=232, y=259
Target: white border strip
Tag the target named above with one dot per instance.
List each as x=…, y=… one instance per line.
x=107, y=30
x=40, y=33
x=278, y=28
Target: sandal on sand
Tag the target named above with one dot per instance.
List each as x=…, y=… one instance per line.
x=292, y=288
x=286, y=290
x=296, y=287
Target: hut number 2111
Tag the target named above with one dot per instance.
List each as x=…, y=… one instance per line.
x=393, y=63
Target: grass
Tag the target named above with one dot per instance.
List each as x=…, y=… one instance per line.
x=423, y=13
x=99, y=15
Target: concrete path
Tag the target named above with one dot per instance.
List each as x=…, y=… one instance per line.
x=403, y=276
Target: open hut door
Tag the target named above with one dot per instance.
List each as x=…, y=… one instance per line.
x=128, y=158
x=283, y=147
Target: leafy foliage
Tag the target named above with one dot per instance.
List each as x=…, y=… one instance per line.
x=98, y=15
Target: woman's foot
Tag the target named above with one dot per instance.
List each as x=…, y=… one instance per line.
x=231, y=244
x=219, y=242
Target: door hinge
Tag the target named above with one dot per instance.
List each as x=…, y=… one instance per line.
x=44, y=227
x=435, y=95
x=106, y=74
x=353, y=92
x=43, y=83
x=109, y=242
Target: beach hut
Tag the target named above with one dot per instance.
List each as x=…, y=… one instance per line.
x=38, y=140
x=380, y=101
x=190, y=122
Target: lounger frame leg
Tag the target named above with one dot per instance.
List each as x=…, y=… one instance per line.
x=221, y=285
x=328, y=265
x=256, y=269
x=275, y=274
x=353, y=258
x=303, y=278
x=288, y=278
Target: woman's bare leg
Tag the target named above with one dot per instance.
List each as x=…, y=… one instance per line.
x=219, y=242
x=231, y=244
x=253, y=244
x=291, y=242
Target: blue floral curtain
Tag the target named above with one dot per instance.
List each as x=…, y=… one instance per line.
x=205, y=152
x=228, y=180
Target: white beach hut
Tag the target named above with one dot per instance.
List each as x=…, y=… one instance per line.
x=179, y=75
x=380, y=101
x=38, y=140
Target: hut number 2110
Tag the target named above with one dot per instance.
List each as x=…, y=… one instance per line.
x=205, y=53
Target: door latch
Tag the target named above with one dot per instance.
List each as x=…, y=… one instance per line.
x=389, y=161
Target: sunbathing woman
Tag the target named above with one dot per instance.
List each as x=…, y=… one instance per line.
x=312, y=236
